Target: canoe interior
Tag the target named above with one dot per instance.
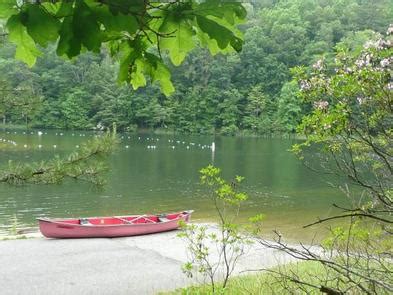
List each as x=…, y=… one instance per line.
x=118, y=220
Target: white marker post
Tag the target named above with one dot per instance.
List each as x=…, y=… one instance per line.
x=213, y=148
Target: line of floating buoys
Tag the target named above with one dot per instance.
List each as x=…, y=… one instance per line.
x=8, y=141
x=188, y=145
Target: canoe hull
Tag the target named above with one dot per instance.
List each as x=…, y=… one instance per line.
x=103, y=227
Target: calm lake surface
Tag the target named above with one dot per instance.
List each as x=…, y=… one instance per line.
x=166, y=178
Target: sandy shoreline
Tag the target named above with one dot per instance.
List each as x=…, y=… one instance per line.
x=131, y=265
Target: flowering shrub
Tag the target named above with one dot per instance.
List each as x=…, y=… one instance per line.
x=350, y=132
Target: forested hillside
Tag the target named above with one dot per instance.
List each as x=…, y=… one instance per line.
x=251, y=91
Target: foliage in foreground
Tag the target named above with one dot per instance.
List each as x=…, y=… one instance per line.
x=351, y=133
x=136, y=32
x=266, y=282
x=284, y=279
x=214, y=253
x=87, y=164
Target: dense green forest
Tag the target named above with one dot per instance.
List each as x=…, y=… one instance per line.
x=248, y=92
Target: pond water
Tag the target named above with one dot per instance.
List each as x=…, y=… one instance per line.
x=165, y=178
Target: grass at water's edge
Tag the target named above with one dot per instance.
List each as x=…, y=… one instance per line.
x=263, y=282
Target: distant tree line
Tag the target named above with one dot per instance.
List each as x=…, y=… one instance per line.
x=249, y=92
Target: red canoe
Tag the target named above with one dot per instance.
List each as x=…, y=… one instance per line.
x=110, y=227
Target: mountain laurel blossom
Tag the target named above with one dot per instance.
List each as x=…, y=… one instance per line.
x=386, y=62
x=321, y=104
x=305, y=85
x=318, y=65
x=390, y=30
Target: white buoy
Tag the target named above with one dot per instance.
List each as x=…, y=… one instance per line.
x=40, y=133
x=213, y=147
x=127, y=146
x=25, y=146
x=54, y=146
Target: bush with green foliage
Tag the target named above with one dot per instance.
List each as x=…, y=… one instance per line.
x=214, y=253
x=350, y=133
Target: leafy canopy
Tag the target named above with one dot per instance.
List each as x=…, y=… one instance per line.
x=136, y=32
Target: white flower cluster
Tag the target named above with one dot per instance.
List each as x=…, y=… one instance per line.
x=390, y=30
x=321, y=104
x=99, y=127
x=364, y=60
x=318, y=65
x=379, y=44
x=389, y=86
x=305, y=85
x=362, y=99
x=386, y=62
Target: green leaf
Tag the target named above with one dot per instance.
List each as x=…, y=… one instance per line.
x=66, y=9
x=115, y=22
x=26, y=49
x=163, y=75
x=137, y=77
x=86, y=27
x=127, y=6
x=232, y=12
x=52, y=8
x=127, y=57
x=41, y=26
x=68, y=43
x=220, y=33
x=211, y=44
x=79, y=28
x=7, y=8
x=181, y=42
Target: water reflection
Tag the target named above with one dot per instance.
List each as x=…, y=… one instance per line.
x=165, y=178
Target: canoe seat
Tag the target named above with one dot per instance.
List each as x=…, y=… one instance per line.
x=162, y=219
x=84, y=221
